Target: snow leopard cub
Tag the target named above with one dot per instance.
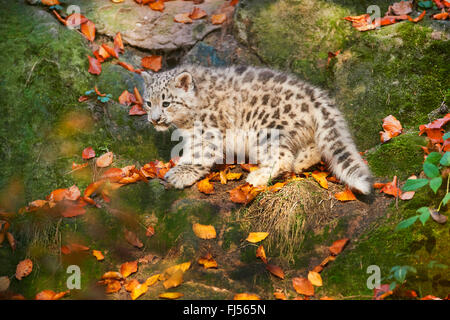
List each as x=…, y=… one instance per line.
x=306, y=121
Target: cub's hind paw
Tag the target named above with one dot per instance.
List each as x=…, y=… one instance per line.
x=183, y=176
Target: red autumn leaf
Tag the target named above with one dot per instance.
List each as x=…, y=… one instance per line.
x=88, y=30
x=261, y=253
x=150, y=231
x=50, y=2
x=441, y=16
x=136, y=110
x=392, y=128
x=83, y=98
x=103, y=54
x=338, y=246
x=331, y=55
x=391, y=188
x=88, y=153
x=346, y=195
x=94, y=66
x=138, y=96
x=24, y=268
x=118, y=43
x=152, y=62
x=113, y=174
x=50, y=295
x=70, y=209
x=110, y=50
x=98, y=92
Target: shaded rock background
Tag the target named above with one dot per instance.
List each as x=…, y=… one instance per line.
x=401, y=69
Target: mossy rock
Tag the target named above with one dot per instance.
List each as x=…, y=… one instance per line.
x=401, y=157
x=397, y=70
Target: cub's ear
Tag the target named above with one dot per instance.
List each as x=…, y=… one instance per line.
x=147, y=77
x=184, y=81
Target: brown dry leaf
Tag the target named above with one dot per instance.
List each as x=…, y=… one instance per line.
x=4, y=283
x=315, y=278
x=133, y=239
x=204, y=231
x=218, y=18
x=128, y=268
x=255, y=237
x=338, y=246
x=24, y=268
x=205, y=186
x=275, y=270
x=105, y=160
x=152, y=62
x=112, y=286
x=261, y=253
x=139, y=290
x=246, y=296
x=152, y=280
x=182, y=18
x=303, y=286
x=174, y=280
x=171, y=295
x=321, y=178
x=98, y=254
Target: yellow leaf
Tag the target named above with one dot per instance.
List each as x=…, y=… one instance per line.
x=170, y=271
x=246, y=296
x=98, y=254
x=208, y=261
x=254, y=237
x=321, y=178
x=205, y=186
x=152, y=280
x=233, y=175
x=171, y=295
x=315, y=278
x=139, y=290
x=204, y=231
x=174, y=280
x=128, y=268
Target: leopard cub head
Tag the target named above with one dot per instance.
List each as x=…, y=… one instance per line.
x=169, y=98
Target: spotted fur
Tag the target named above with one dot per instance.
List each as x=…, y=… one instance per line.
x=310, y=126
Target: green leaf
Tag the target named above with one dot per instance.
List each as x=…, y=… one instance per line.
x=434, y=158
x=435, y=184
x=431, y=170
x=392, y=285
x=445, y=161
x=446, y=136
x=400, y=274
x=424, y=214
x=414, y=184
x=406, y=223
x=446, y=198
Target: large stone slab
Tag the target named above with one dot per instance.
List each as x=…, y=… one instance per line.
x=145, y=28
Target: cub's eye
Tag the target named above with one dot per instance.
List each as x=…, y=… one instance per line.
x=149, y=104
x=166, y=104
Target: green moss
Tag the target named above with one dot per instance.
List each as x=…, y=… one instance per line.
x=401, y=157
x=382, y=246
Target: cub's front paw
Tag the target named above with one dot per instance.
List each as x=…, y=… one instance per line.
x=182, y=176
x=259, y=177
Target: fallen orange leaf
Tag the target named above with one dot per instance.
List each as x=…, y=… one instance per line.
x=118, y=43
x=88, y=30
x=139, y=290
x=205, y=186
x=50, y=295
x=137, y=110
x=321, y=178
x=98, y=254
x=152, y=280
x=182, y=18
x=207, y=261
x=391, y=188
x=261, y=253
x=157, y=5
x=419, y=18
x=275, y=270
x=128, y=268
x=112, y=286
x=346, y=195
x=303, y=286
x=197, y=13
x=152, y=62
x=174, y=280
x=112, y=275
x=218, y=18
x=279, y=295
x=338, y=246
x=104, y=160
x=110, y=50
x=246, y=296
x=94, y=66
x=88, y=153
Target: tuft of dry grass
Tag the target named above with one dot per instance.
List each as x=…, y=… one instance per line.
x=299, y=207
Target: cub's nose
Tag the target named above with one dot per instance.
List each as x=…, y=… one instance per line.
x=155, y=117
